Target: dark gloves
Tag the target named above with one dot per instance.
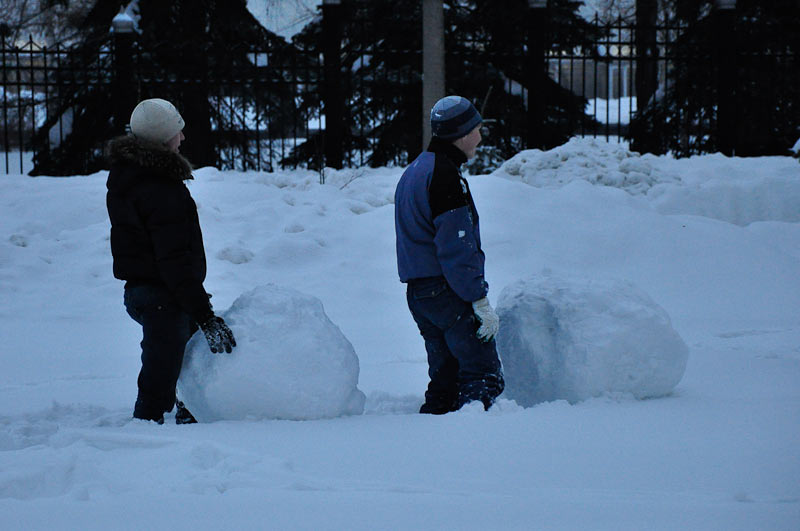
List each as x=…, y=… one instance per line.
x=218, y=335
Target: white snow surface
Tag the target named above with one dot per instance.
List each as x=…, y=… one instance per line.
x=736, y=190
x=592, y=160
x=722, y=451
x=579, y=338
x=290, y=362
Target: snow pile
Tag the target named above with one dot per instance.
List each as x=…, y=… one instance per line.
x=291, y=362
x=581, y=338
x=737, y=202
x=732, y=189
x=595, y=161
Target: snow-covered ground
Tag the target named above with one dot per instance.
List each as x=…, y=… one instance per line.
x=15, y=162
x=714, y=241
x=613, y=111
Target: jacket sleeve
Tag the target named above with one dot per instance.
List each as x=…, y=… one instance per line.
x=170, y=225
x=457, y=248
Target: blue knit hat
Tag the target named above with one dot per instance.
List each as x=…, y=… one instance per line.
x=453, y=117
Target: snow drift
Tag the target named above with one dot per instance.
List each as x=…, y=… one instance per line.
x=580, y=338
x=291, y=362
x=597, y=162
x=732, y=189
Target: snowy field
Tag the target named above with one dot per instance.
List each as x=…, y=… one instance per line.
x=714, y=241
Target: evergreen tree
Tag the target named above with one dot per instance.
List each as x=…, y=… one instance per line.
x=188, y=49
x=485, y=61
x=49, y=21
x=766, y=88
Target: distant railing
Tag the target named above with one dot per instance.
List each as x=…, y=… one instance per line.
x=32, y=79
x=282, y=108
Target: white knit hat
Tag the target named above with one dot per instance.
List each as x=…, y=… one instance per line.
x=156, y=120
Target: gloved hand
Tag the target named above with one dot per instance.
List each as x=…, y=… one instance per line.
x=218, y=335
x=490, y=323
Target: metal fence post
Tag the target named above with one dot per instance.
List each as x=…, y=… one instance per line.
x=123, y=88
x=332, y=92
x=725, y=19
x=537, y=73
x=646, y=42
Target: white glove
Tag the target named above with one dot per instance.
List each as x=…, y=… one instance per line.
x=490, y=323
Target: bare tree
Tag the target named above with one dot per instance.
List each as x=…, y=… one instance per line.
x=48, y=22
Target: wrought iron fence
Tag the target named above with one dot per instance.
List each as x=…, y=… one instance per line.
x=254, y=109
x=272, y=109
x=257, y=117
x=605, y=73
x=33, y=79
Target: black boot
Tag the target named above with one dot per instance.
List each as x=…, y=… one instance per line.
x=158, y=419
x=485, y=390
x=182, y=415
x=438, y=405
x=144, y=410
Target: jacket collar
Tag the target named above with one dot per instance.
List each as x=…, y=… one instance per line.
x=156, y=159
x=447, y=149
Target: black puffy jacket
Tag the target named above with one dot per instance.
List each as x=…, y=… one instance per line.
x=155, y=231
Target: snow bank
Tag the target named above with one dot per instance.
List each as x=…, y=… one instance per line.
x=291, y=362
x=587, y=159
x=732, y=189
x=581, y=338
x=740, y=203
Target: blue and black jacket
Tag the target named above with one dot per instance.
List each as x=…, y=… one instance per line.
x=436, y=223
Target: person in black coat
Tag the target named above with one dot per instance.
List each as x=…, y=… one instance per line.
x=157, y=248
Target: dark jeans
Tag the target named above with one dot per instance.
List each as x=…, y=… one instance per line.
x=461, y=367
x=166, y=329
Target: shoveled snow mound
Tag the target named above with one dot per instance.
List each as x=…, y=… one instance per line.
x=732, y=189
x=575, y=339
x=291, y=362
x=595, y=161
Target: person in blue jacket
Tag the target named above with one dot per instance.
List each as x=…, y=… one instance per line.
x=439, y=256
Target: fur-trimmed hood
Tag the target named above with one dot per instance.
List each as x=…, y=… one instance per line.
x=155, y=159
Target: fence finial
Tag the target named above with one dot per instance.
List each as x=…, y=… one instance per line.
x=725, y=4
x=122, y=23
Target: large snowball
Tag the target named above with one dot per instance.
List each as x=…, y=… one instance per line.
x=580, y=338
x=291, y=362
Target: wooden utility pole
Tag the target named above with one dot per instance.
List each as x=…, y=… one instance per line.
x=432, y=62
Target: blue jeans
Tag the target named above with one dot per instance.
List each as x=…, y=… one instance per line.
x=461, y=367
x=166, y=328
